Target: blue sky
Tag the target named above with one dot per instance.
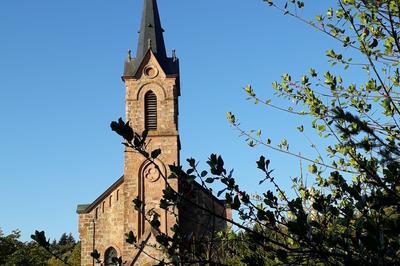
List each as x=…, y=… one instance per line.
x=60, y=86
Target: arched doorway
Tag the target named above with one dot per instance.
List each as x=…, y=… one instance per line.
x=109, y=255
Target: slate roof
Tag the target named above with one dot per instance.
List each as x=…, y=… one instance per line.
x=151, y=37
x=86, y=208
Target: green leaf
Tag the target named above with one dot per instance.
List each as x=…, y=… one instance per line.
x=304, y=80
x=117, y=261
x=155, y=153
x=210, y=180
x=236, y=203
x=374, y=43
x=300, y=4
x=269, y=2
x=313, y=73
x=137, y=203
x=312, y=168
x=228, y=198
x=192, y=162
x=231, y=118
x=40, y=238
x=123, y=129
x=301, y=128
x=95, y=255
x=220, y=192
x=155, y=223
x=261, y=164
x=131, y=238
x=249, y=91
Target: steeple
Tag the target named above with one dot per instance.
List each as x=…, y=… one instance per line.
x=151, y=33
x=151, y=37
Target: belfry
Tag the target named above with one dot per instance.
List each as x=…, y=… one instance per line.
x=152, y=90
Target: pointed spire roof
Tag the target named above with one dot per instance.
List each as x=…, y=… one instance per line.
x=151, y=32
x=151, y=37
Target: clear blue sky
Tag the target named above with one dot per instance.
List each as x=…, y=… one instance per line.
x=60, y=86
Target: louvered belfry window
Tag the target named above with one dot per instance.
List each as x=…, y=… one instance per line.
x=150, y=106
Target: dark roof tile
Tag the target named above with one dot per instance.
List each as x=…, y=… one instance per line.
x=151, y=37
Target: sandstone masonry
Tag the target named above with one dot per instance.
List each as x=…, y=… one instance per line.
x=152, y=91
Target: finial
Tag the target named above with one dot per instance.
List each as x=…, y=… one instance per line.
x=129, y=55
x=149, y=44
x=174, y=55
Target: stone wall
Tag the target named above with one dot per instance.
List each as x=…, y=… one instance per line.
x=142, y=178
x=104, y=223
x=200, y=222
x=101, y=227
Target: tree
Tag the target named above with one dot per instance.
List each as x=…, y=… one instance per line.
x=75, y=257
x=28, y=254
x=39, y=252
x=65, y=251
x=15, y=252
x=65, y=248
x=350, y=214
x=8, y=245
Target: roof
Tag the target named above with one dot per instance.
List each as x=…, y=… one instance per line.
x=151, y=32
x=209, y=193
x=151, y=38
x=86, y=208
x=170, y=66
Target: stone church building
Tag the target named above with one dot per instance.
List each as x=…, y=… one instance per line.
x=152, y=90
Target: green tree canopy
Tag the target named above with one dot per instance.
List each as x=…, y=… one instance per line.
x=13, y=251
x=350, y=214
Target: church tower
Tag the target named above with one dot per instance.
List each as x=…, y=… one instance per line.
x=152, y=87
x=152, y=91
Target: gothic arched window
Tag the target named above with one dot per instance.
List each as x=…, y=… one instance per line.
x=150, y=107
x=109, y=255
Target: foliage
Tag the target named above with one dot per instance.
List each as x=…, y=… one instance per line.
x=67, y=249
x=350, y=215
x=15, y=252
x=8, y=245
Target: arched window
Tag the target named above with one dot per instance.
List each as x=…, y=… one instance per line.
x=109, y=255
x=150, y=107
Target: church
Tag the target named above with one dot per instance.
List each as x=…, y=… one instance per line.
x=151, y=79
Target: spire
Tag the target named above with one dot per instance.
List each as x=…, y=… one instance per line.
x=151, y=37
x=151, y=33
